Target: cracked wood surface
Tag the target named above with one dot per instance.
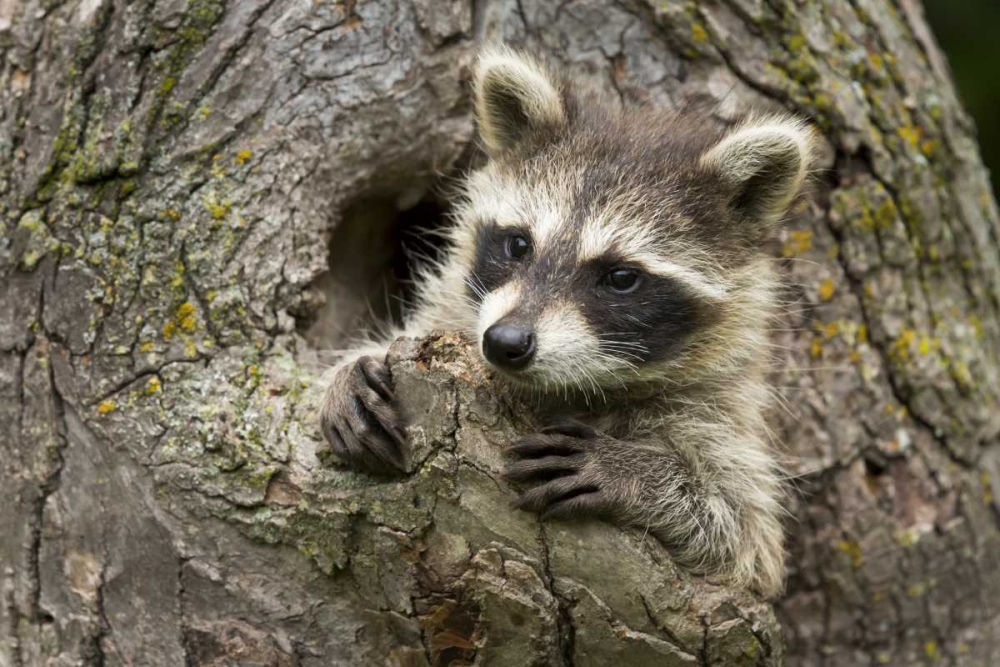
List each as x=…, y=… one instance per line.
x=170, y=174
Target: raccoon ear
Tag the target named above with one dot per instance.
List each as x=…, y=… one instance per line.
x=764, y=161
x=515, y=97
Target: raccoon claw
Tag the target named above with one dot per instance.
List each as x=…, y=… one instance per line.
x=558, y=466
x=563, y=498
x=571, y=428
x=360, y=421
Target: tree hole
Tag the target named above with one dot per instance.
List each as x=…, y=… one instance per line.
x=373, y=254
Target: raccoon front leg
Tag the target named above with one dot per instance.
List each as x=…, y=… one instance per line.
x=360, y=419
x=573, y=471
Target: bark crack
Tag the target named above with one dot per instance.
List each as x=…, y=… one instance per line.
x=564, y=617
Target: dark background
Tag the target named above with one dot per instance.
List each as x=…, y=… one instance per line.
x=969, y=33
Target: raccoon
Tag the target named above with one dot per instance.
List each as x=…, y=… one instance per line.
x=611, y=261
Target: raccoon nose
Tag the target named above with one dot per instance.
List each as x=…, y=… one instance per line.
x=509, y=346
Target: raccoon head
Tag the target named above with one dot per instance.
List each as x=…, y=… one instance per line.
x=604, y=246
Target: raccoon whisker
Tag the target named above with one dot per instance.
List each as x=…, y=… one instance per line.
x=461, y=295
x=614, y=364
x=475, y=284
x=597, y=386
x=623, y=344
x=482, y=285
x=612, y=339
x=437, y=232
x=624, y=356
x=579, y=376
x=621, y=351
x=639, y=322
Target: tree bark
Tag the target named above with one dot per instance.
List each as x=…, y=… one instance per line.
x=171, y=174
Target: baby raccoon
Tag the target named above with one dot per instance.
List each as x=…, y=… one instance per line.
x=610, y=262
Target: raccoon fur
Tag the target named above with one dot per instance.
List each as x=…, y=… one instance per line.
x=611, y=262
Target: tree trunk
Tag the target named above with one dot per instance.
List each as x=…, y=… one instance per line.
x=171, y=177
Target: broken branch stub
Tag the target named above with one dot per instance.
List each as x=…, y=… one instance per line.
x=492, y=583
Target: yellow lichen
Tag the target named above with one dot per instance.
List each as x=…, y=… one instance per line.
x=799, y=241
x=827, y=289
x=977, y=326
x=218, y=209
x=185, y=318
x=243, y=156
x=861, y=335
x=698, y=33
x=178, y=280
x=146, y=347
x=931, y=650
x=907, y=538
x=925, y=346
x=153, y=386
x=106, y=406
x=961, y=372
x=217, y=169
x=885, y=214
x=910, y=134
x=987, y=484
x=853, y=550
x=828, y=330
x=900, y=349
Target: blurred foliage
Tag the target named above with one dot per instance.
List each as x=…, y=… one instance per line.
x=968, y=30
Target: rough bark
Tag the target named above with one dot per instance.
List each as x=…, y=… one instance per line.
x=170, y=176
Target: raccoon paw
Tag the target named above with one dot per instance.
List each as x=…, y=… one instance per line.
x=558, y=465
x=361, y=422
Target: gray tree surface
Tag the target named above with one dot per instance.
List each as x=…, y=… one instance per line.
x=176, y=179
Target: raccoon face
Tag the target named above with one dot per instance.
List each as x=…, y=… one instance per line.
x=607, y=246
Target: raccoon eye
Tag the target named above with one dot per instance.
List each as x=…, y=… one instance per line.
x=622, y=281
x=517, y=246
